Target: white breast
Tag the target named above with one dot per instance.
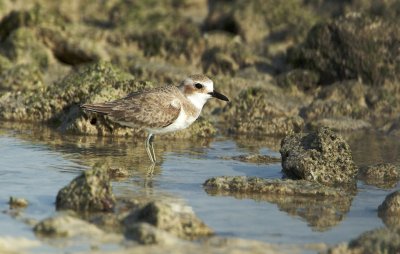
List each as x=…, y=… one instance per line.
x=182, y=122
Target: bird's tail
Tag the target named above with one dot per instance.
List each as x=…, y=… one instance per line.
x=102, y=108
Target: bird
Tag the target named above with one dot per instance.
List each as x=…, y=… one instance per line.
x=160, y=110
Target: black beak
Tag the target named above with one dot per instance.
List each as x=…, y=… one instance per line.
x=217, y=95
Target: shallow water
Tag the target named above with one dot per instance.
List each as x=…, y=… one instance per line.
x=35, y=164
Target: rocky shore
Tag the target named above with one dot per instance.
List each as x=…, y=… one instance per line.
x=303, y=71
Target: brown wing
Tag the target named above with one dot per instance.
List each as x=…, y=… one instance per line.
x=155, y=108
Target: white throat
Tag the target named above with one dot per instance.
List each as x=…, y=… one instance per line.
x=198, y=99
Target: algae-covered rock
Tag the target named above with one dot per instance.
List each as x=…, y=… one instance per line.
x=340, y=124
x=24, y=46
x=256, y=20
x=73, y=46
x=352, y=47
x=89, y=192
x=21, y=78
x=154, y=27
x=228, y=58
x=351, y=105
x=264, y=111
x=389, y=9
x=322, y=156
x=384, y=175
x=39, y=35
x=175, y=218
x=27, y=18
x=345, y=99
x=50, y=102
x=303, y=79
x=389, y=210
x=321, y=206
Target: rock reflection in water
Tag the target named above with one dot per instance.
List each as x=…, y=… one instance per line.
x=255, y=144
x=322, y=207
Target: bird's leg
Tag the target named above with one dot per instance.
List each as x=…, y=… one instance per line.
x=152, y=148
x=149, y=148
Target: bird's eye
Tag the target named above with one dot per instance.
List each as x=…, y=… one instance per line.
x=198, y=86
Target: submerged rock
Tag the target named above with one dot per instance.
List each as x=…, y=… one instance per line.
x=351, y=47
x=117, y=173
x=321, y=206
x=322, y=156
x=89, y=192
x=243, y=184
x=15, y=202
x=174, y=218
x=389, y=210
x=384, y=175
x=255, y=158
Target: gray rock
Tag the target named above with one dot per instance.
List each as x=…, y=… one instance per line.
x=89, y=192
x=174, y=218
x=322, y=156
x=145, y=233
x=377, y=241
x=389, y=210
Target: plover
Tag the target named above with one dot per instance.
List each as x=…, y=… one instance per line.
x=160, y=110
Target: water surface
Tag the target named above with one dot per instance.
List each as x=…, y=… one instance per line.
x=36, y=163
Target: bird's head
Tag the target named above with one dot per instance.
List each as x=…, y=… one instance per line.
x=199, y=88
